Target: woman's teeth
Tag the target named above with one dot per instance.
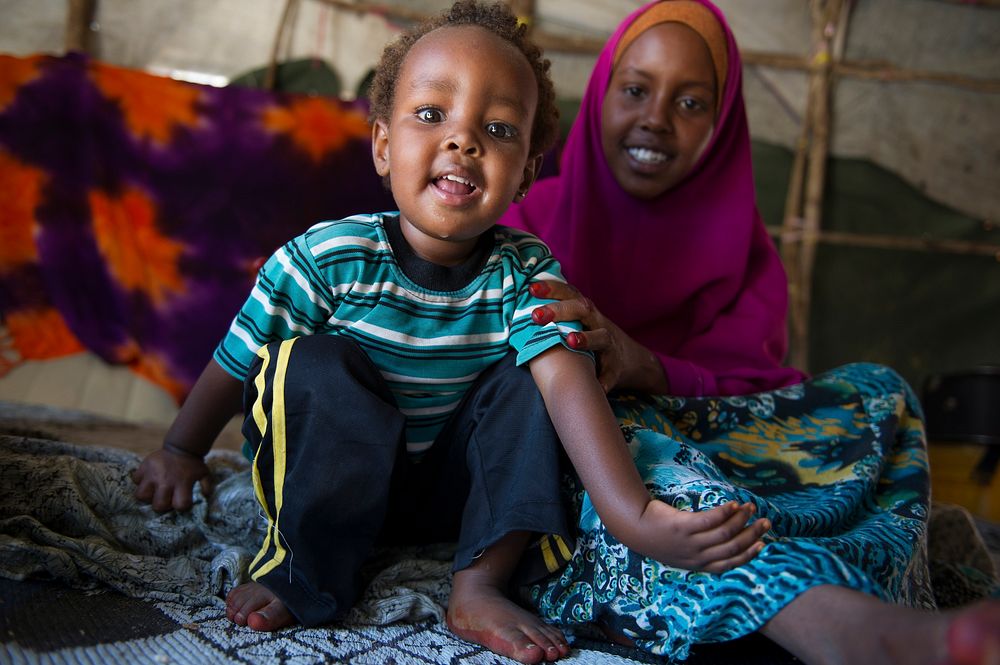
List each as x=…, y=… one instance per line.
x=647, y=156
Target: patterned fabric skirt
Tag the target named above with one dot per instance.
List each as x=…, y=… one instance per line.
x=838, y=464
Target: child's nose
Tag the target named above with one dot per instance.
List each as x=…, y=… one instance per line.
x=465, y=141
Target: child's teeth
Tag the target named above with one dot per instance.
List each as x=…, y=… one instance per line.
x=455, y=178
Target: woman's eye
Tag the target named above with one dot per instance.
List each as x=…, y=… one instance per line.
x=501, y=130
x=691, y=104
x=430, y=115
x=633, y=91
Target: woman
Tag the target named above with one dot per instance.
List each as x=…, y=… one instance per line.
x=654, y=219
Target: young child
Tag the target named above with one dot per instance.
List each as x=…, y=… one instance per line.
x=396, y=388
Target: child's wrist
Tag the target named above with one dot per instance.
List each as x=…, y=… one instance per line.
x=177, y=450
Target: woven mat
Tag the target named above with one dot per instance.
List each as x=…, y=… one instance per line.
x=58, y=622
x=51, y=623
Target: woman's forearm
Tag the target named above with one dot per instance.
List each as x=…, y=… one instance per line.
x=642, y=370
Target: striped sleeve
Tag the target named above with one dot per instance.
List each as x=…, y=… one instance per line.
x=289, y=299
x=533, y=263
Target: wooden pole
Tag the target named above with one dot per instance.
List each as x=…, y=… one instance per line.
x=281, y=38
x=79, y=17
x=388, y=11
x=878, y=70
x=984, y=3
x=804, y=203
x=791, y=238
x=904, y=243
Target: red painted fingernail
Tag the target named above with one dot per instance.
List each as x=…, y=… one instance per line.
x=575, y=340
x=542, y=315
x=539, y=289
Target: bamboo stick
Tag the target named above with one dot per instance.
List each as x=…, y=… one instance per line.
x=577, y=45
x=792, y=234
x=904, y=243
x=873, y=69
x=884, y=72
x=388, y=11
x=983, y=3
x=829, y=21
x=791, y=230
x=280, y=39
x=79, y=17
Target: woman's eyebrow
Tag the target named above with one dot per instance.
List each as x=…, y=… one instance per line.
x=644, y=73
x=632, y=69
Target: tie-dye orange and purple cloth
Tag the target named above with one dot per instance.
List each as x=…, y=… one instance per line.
x=134, y=208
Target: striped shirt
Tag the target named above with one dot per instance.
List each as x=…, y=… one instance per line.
x=343, y=278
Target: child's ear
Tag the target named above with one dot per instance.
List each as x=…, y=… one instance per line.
x=531, y=170
x=380, y=147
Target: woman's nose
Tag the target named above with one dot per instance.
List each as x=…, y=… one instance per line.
x=657, y=116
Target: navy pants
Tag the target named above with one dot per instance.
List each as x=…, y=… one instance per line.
x=333, y=477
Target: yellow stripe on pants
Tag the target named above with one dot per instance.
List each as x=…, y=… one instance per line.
x=279, y=451
x=552, y=562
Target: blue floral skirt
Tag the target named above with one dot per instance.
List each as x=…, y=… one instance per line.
x=838, y=464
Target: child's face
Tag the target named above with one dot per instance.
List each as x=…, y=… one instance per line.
x=456, y=146
x=659, y=109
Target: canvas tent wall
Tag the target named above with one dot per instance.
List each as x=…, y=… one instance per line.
x=875, y=122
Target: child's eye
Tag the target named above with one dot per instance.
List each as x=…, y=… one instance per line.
x=501, y=130
x=633, y=91
x=430, y=115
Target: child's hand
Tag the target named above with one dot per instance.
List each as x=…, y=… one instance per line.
x=165, y=479
x=713, y=540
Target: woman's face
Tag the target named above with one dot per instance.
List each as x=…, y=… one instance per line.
x=659, y=109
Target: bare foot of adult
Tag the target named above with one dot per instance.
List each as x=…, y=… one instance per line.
x=254, y=605
x=479, y=612
x=974, y=635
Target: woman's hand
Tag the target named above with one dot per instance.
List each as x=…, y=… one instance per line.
x=621, y=361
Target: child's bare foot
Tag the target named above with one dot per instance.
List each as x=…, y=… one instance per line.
x=254, y=605
x=479, y=612
x=974, y=635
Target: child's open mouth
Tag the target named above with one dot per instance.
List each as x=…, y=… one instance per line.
x=453, y=184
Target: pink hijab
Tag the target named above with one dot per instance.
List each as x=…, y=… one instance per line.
x=692, y=275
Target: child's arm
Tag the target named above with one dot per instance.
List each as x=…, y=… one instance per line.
x=166, y=477
x=712, y=540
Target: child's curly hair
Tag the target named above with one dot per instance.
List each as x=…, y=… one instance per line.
x=498, y=19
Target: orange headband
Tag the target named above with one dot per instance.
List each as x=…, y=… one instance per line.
x=696, y=16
